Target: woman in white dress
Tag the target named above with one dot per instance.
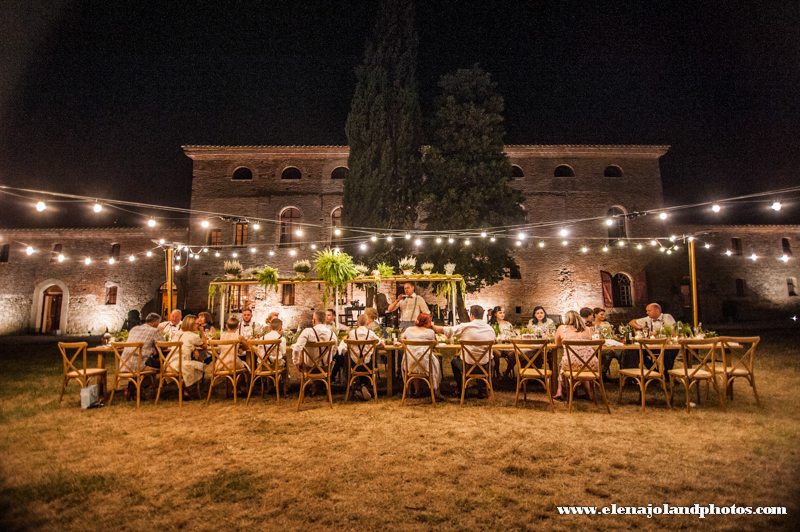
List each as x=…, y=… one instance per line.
x=505, y=330
x=192, y=340
x=540, y=318
x=574, y=329
x=421, y=331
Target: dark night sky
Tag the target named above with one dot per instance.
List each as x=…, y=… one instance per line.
x=98, y=97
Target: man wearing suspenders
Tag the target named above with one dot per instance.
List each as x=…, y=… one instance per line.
x=317, y=333
x=411, y=305
x=361, y=333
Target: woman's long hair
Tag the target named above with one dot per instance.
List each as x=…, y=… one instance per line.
x=537, y=322
x=574, y=319
x=494, y=312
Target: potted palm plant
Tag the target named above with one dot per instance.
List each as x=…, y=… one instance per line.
x=268, y=277
x=407, y=265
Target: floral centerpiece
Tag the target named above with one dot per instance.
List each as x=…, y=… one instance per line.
x=233, y=268
x=427, y=267
x=449, y=268
x=302, y=267
x=407, y=264
x=268, y=277
x=361, y=269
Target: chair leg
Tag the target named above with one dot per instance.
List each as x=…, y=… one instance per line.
x=571, y=389
x=720, y=393
x=525, y=390
x=63, y=387
x=210, y=387
x=666, y=395
x=491, y=391
x=113, y=389
x=463, y=388
x=755, y=392
x=688, y=386
x=139, y=381
x=158, y=394
x=250, y=391
x=405, y=389
x=429, y=380
x=516, y=398
x=347, y=390
x=277, y=380
x=303, y=384
x=328, y=384
x=642, y=390
x=375, y=385
x=603, y=391
x=549, y=393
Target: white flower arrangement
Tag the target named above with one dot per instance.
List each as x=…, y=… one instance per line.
x=302, y=266
x=449, y=268
x=250, y=272
x=363, y=270
x=408, y=263
x=232, y=267
x=427, y=267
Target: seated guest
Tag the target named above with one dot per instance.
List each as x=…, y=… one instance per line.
x=148, y=334
x=227, y=354
x=574, y=329
x=503, y=328
x=248, y=327
x=475, y=330
x=655, y=322
x=361, y=332
x=421, y=332
x=272, y=316
x=372, y=315
x=540, y=318
x=205, y=322
x=332, y=324
x=587, y=315
x=275, y=332
x=173, y=325
x=600, y=317
x=192, y=343
x=318, y=333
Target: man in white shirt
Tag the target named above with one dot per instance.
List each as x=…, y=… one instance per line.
x=362, y=333
x=169, y=328
x=332, y=324
x=275, y=332
x=655, y=321
x=476, y=330
x=411, y=305
x=248, y=327
x=318, y=333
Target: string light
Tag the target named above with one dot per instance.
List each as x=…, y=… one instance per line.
x=29, y=250
x=408, y=236
x=605, y=248
x=716, y=208
x=40, y=206
x=784, y=258
x=521, y=236
x=299, y=232
x=565, y=243
x=584, y=249
x=621, y=243
x=438, y=240
x=337, y=231
x=753, y=257
x=150, y=254
x=691, y=239
x=151, y=222
x=373, y=238
x=177, y=267
x=234, y=254
x=97, y=207
x=775, y=206
x=662, y=249
x=729, y=253
x=313, y=246
x=216, y=253
x=492, y=239
x=205, y=250
x=178, y=257
x=467, y=242
x=708, y=246
x=653, y=243
x=131, y=258
x=483, y=234
x=669, y=252
x=673, y=238
x=541, y=243
x=196, y=256
x=519, y=242
x=639, y=246
x=364, y=246
x=271, y=253
x=389, y=238
x=252, y=250
x=663, y=216
x=61, y=258
x=111, y=260
x=161, y=241
x=87, y=261
x=256, y=226
x=418, y=242
x=564, y=232
x=450, y=240
x=204, y=223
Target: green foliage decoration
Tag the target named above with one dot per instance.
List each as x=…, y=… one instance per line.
x=267, y=277
x=336, y=269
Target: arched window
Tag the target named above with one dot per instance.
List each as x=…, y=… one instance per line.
x=564, y=171
x=613, y=171
x=340, y=172
x=291, y=173
x=336, y=221
x=622, y=291
x=516, y=172
x=618, y=229
x=289, y=219
x=242, y=174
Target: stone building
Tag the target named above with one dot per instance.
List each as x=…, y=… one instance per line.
x=272, y=204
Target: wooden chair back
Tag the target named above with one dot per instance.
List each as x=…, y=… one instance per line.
x=695, y=364
x=77, y=349
x=528, y=354
x=318, y=366
x=471, y=354
x=173, y=353
x=415, y=363
x=654, y=349
x=741, y=352
x=231, y=351
x=584, y=369
x=361, y=349
x=131, y=362
x=262, y=363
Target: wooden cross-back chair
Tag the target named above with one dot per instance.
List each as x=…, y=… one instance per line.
x=416, y=366
x=316, y=369
x=697, y=367
x=739, y=353
x=361, y=349
x=473, y=370
x=168, y=372
x=584, y=372
x=266, y=369
x=644, y=374
x=127, y=367
x=227, y=370
x=81, y=374
x=532, y=365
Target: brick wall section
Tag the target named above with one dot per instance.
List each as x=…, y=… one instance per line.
x=137, y=282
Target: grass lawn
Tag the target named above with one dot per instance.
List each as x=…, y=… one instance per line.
x=367, y=466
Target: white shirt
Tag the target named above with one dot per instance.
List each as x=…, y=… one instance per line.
x=411, y=307
x=474, y=331
x=664, y=319
x=273, y=335
x=169, y=329
x=317, y=333
x=361, y=333
x=336, y=328
x=248, y=330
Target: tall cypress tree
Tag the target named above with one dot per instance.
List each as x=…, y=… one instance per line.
x=468, y=178
x=384, y=126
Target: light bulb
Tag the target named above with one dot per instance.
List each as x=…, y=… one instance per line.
x=541, y=244
x=87, y=260
x=299, y=232
x=708, y=246
x=638, y=246
x=408, y=236
x=111, y=260
x=161, y=241
x=151, y=222
x=196, y=255
x=363, y=247
x=337, y=232
x=483, y=234
x=256, y=226
x=373, y=238
x=204, y=223
x=252, y=250
x=621, y=243
x=438, y=240
x=609, y=221
x=565, y=243
x=205, y=250
x=653, y=243
x=605, y=248
x=775, y=206
x=450, y=240
x=313, y=246
x=564, y=232
x=29, y=250
x=418, y=242
x=61, y=258
x=216, y=254
x=521, y=236
x=662, y=249
x=131, y=258
x=150, y=253
x=336, y=250
x=97, y=207
x=40, y=206
x=177, y=267
x=584, y=249
x=271, y=253
x=492, y=239
x=691, y=239
x=389, y=238
x=663, y=216
x=784, y=258
x=716, y=208
x=467, y=242
x=234, y=254
x=669, y=252
x=292, y=252
x=729, y=253
x=673, y=238
x=519, y=242
x=753, y=257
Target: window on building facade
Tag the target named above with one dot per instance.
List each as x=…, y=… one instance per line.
x=289, y=220
x=4, y=253
x=242, y=174
x=516, y=172
x=56, y=253
x=564, y=171
x=239, y=298
x=623, y=291
x=616, y=230
x=612, y=171
x=736, y=246
x=214, y=239
x=791, y=284
x=786, y=245
x=111, y=295
x=291, y=173
x=515, y=272
x=336, y=221
x=686, y=291
x=114, y=252
x=340, y=172
x=287, y=295
x=741, y=288
x=240, y=234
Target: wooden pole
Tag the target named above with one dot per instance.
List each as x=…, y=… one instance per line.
x=170, y=267
x=693, y=267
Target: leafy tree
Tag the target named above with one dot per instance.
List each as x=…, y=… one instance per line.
x=468, y=178
x=384, y=127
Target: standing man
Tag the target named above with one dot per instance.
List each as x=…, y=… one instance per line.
x=411, y=305
x=475, y=330
x=655, y=321
x=169, y=328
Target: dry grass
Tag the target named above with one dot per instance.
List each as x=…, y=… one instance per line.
x=368, y=466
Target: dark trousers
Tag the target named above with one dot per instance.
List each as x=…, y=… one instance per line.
x=458, y=370
x=360, y=381
x=338, y=364
x=669, y=359
x=153, y=362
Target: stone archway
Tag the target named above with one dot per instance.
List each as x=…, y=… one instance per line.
x=37, y=305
